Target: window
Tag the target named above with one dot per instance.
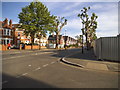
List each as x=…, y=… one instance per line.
x=8, y=32
x=7, y=41
x=51, y=41
x=4, y=42
x=4, y=31
x=18, y=33
x=22, y=34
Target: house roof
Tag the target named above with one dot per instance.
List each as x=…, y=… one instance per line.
x=17, y=26
x=66, y=37
x=1, y=24
x=53, y=37
x=5, y=24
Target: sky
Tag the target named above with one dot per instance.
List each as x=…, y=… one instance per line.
x=107, y=13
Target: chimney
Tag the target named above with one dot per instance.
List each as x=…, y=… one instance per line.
x=6, y=21
x=10, y=23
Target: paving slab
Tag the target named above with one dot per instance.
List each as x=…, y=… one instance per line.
x=96, y=66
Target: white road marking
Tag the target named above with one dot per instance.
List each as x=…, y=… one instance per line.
x=4, y=82
x=18, y=76
x=24, y=74
x=45, y=65
x=27, y=55
x=52, y=62
x=13, y=57
x=37, y=68
x=29, y=65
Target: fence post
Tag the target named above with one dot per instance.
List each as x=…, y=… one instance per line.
x=101, y=49
x=118, y=37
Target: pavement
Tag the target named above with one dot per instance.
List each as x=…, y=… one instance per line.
x=87, y=60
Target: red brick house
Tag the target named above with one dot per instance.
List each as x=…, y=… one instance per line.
x=6, y=33
x=19, y=36
x=52, y=41
x=69, y=40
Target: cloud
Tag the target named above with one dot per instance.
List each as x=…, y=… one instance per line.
x=96, y=7
x=52, y=5
x=61, y=0
x=119, y=18
x=71, y=13
x=74, y=23
x=73, y=5
x=107, y=23
x=73, y=28
x=104, y=6
x=104, y=33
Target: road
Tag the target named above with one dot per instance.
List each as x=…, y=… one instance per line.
x=42, y=69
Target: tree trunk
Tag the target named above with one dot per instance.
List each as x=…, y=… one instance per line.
x=82, y=44
x=57, y=40
x=65, y=43
x=86, y=41
x=39, y=44
x=32, y=42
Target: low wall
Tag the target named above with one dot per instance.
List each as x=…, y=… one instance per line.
x=43, y=47
x=27, y=47
x=3, y=47
x=33, y=47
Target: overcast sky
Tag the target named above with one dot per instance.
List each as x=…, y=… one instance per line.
x=107, y=13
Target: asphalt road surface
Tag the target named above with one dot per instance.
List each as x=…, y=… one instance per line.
x=42, y=69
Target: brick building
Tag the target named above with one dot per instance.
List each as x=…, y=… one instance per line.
x=6, y=32
x=52, y=41
x=42, y=42
x=69, y=40
x=62, y=40
x=19, y=36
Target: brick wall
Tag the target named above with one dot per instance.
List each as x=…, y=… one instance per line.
x=3, y=47
x=27, y=47
x=33, y=46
